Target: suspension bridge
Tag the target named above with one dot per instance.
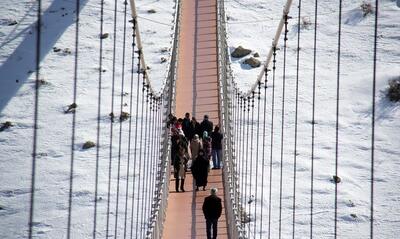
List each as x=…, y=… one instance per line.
x=133, y=194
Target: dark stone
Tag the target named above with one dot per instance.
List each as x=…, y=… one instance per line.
x=56, y=49
x=12, y=23
x=394, y=89
x=104, y=36
x=253, y=62
x=240, y=52
x=336, y=179
x=256, y=54
x=6, y=125
x=88, y=145
x=151, y=11
x=163, y=59
x=124, y=116
x=71, y=108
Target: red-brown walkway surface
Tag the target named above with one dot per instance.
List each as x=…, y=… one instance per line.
x=197, y=93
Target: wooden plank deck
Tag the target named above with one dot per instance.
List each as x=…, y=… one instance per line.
x=197, y=93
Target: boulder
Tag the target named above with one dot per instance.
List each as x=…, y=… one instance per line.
x=253, y=62
x=240, y=52
x=104, y=35
x=88, y=145
x=5, y=125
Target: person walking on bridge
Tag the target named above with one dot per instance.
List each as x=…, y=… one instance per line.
x=216, y=143
x=206, y=125
x=180, y=162
x=212, y=209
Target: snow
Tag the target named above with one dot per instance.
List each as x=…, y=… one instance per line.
x=253, y=28
x=17, y=63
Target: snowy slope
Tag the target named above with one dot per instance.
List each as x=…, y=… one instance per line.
x=17, y=45
x=252, y=24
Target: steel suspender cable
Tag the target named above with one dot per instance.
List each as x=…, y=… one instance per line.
x=149, y=159
x=98, y=121
x=271, y=141
x=145, y=154
x=247, y=159
x=282, y=125
x=313, y=120
x=257, y=158
x=71, y=174
x=121, y=118
x=242, y=198
x=373, y=121
x=250, y=174
x=263, y=152
x=296, y=121
x=134, y=22
x=140, y=156
x=337, y=114
x=35, y=118
x=112, y=120
x=239, y=149
x=129, y=137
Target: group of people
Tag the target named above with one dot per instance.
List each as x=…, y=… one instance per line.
x=188, y=150
x=193, y=144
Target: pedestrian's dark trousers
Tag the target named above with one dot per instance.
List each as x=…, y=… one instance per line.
x=177, y=184
x=214, y=224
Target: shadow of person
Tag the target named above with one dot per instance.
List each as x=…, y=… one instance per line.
x=22, y=61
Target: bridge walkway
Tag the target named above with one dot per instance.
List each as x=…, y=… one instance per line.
x=197, y=93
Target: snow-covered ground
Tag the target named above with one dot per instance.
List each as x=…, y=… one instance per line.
x=17, y=63
x=252, y=24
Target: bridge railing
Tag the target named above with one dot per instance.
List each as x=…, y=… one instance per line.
x=230, y=175
x=159, y=205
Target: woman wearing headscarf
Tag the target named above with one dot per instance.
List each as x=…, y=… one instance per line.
x=195, y=146
x=206, y=145
x=200, y=169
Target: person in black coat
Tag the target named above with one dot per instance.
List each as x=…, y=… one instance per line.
x=200, y=168
x=206, y=125
x=212, y=209
x=186, y=127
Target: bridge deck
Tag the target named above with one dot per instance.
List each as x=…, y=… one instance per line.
x=197, y=93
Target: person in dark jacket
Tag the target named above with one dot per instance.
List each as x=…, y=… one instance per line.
x=186, y=127
x=200, y=169
x=206, y=125
x=216, y=146
x=212, y=209
x=196, y=127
